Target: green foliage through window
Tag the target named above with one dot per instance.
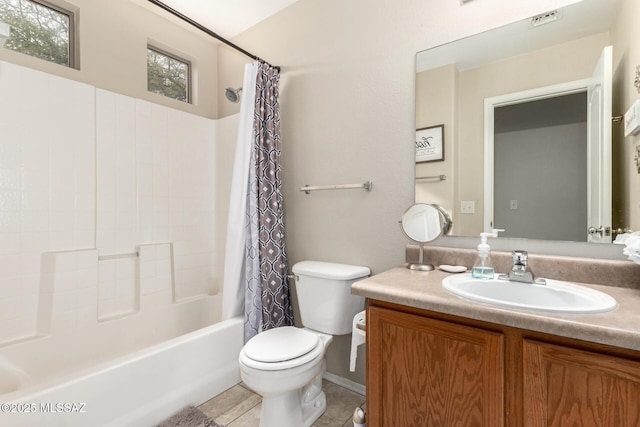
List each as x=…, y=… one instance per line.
x=39, y=30
x=167, y=75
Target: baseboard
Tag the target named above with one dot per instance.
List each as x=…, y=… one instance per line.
x=346, y=383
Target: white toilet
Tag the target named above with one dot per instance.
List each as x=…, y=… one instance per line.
x=285, y=365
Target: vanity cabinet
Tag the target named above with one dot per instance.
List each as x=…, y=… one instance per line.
x=568, y=387
x=431, y=369
x=426, y=372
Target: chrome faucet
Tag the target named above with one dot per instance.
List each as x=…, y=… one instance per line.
x=520, y=271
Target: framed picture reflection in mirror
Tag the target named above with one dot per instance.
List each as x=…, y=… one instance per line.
x=430, y=144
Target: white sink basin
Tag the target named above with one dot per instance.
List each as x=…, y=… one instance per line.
x=555, y=296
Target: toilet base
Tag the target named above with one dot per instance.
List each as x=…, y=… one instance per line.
x=297, y=408
x=285, y=410
x=313, y=410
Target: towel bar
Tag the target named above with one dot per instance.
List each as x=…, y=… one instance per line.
x=438, y=177
x=308, y=188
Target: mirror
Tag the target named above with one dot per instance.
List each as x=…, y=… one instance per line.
x=552, y=53
x=424, y=223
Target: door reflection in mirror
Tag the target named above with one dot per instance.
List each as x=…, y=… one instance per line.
x=539, y=145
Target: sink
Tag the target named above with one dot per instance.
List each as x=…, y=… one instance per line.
x=555, y=296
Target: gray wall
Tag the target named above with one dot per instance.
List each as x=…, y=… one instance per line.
x=540, y=169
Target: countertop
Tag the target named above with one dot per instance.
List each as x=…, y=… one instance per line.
x=423, y=290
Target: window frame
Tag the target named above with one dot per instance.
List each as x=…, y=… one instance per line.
x=178, y=58
x=72, y=15
x=72, y=28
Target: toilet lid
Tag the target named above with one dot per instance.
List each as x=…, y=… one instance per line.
x=280, y=344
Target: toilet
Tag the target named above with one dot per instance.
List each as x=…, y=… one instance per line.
x=285, y=365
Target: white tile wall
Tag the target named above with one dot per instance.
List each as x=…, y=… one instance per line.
x=156, y=274
x=176, y=189
x=74, y=290
x=47, y=184
x=85, y=173
x=116, y=203
x=116, y=187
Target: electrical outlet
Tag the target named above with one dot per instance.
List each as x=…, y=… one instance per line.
x=467, y=207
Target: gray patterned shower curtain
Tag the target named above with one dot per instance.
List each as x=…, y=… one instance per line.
x=267, y=297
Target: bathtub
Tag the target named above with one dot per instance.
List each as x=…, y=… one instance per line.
x=133, y=371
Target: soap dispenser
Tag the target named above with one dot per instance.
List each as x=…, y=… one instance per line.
x=483, y=268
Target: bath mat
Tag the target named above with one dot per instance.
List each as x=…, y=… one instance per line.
x=189, y=417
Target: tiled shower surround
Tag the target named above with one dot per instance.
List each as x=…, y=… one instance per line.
x=89, y=178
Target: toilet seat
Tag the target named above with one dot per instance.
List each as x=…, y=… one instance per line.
x=281, y=348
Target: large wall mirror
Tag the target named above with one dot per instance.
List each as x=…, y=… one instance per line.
x=524, y=115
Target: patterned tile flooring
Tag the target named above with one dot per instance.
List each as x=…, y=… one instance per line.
x=240, y=407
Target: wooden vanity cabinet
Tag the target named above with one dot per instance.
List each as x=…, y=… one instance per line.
x=430, y=369
x=426, y=372
x=569, y=387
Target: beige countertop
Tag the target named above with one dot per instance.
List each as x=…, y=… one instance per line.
x=619, y=327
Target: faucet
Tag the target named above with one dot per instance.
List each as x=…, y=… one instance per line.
x=520, y=271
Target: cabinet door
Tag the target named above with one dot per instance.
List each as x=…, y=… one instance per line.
x=569, y=387
x=426, y=372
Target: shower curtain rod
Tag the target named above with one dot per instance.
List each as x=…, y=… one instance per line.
x=208, y=31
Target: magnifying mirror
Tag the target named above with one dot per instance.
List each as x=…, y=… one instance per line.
x=424, y=223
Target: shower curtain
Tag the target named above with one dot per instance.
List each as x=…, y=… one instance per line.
x=256, y=261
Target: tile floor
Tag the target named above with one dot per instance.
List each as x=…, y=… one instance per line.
x=240, y=407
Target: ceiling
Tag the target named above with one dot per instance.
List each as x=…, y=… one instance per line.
x=228, y=18
x=576, y=21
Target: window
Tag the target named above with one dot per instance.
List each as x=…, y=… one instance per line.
x=168, y=75
x=39, y=29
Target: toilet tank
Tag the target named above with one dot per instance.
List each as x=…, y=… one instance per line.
x=324, y=295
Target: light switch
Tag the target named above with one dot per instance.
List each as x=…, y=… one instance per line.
x=513, y=205
x=467, y=207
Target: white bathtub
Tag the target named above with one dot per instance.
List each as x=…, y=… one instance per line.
x=134, y=371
